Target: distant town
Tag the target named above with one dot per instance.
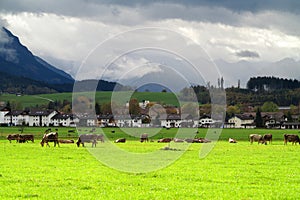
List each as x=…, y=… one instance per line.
x=280, y=119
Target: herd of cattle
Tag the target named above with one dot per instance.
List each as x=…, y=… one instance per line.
x=94, y=138
x=263, y=139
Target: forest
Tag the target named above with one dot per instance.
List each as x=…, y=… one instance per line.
x=283, y=92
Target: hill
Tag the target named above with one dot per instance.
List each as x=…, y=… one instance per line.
x=101, y=97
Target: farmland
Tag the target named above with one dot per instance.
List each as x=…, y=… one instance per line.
x=230, y=171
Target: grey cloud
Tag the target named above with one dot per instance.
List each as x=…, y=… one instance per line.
x=82, y=5
x=284, y=14
x=247, y=54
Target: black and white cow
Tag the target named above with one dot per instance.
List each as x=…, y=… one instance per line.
x=50, y=137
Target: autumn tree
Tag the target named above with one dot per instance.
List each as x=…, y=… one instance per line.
x=134, y=108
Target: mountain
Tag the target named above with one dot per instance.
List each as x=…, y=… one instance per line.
x=152, y=87
x=17, y=60
x=243, y=70
x=23, y=72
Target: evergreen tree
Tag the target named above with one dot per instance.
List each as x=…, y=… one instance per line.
x=258, y=119
x=97, y=109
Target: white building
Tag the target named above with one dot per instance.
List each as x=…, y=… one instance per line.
x=204, y=121
x=3, y=112
x=16, y=118
x=127, y=121
x=242, y=121
x=41, y=117
x=67, y=120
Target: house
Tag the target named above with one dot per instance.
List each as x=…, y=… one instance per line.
x=170, y=121
x=87, y=120
x=105, y=120
x=290, y=125
x=67, y=120
x=3, y=112
x=128, y=121
x=16, y=118
x=41, y=117
x=242, y=121
x=142, y=104
x=205, y=121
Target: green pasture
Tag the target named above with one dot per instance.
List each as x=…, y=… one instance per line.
x=230, y=171
x=100, y=97
x=155, y=133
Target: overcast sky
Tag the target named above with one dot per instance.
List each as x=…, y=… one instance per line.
x=262, y=33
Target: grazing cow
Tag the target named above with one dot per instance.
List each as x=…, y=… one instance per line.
x=24, y=138
x=13, y=137
x=165, y=140
x=90, y=138
x=189, y=140
x=178, y=140
x=120, y=140
x=66, y=141
x=100, y=137
x=231, y=140
x=144, y=137
x=291, y=138
x=268, y=137
x=203, y=140
x=50, y=137
x=197, y=140
x=257, y=138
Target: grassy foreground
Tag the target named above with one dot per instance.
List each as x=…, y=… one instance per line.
x=230, y=171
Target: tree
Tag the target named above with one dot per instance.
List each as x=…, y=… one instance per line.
x=134, y=108
x=289, y=116
x=51, y=105
x=269, y=106
x=191, y=108
x=258, y=119
x=97, y=108
x=106, y=108
x=232, y=110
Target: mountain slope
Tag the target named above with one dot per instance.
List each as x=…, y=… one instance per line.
x=17, y=60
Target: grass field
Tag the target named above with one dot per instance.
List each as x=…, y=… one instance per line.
x=230, y=171
x=101, y=97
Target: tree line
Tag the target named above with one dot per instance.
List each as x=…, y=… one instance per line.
x=263, y=84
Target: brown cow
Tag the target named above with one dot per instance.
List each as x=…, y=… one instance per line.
x=291, y=138
x=13, y=137
x=50, y=137
x=144, y=137
x=256, y=138
x=165, y=140
x=120, y=140
x=24, y=138
x=268, y=137
x=66, y=141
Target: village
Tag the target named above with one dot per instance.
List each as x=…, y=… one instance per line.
x=54, y=118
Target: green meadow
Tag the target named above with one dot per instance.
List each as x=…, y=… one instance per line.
x=101, y=97
x=230, y=171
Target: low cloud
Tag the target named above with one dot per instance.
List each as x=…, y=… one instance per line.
x=7, y=53
x=247, y=54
